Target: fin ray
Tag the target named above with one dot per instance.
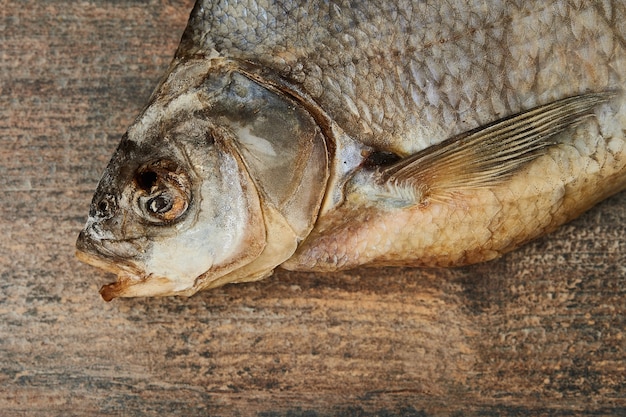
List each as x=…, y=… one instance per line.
x=488, y=155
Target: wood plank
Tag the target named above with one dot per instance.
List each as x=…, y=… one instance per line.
x=540, y=331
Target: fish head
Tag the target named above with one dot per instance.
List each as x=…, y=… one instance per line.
x=217, y=181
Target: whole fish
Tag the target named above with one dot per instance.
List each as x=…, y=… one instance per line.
x=324, y=135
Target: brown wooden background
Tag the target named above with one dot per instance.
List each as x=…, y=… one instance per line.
x=541, y=331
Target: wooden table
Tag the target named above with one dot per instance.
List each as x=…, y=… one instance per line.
x=541, y=331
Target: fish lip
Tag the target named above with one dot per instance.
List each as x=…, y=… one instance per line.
x=106, y=248
x=118, y=267
x=111, y=291
x=125, y=272
x=103, y=254
x=147, y=286
x=131, y=278
x=116, y=289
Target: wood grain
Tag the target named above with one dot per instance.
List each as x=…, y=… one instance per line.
x=541, y=331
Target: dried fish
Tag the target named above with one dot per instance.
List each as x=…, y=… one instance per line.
x=317, y=135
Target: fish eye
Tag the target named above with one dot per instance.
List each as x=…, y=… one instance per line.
x=159, y=204
x=162, y=193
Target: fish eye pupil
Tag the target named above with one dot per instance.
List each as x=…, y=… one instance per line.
x=160, y=204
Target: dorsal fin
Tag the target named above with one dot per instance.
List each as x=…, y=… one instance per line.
x=488, y=155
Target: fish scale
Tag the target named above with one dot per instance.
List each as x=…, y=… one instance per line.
x=469, y=34
x=324, y=135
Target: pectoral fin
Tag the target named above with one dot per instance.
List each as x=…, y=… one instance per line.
x=488, y=155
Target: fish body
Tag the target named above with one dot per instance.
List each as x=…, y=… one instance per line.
x=327, y=135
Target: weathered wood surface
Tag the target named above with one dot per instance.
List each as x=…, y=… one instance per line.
x=541, y=331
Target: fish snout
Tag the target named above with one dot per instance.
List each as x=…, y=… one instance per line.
x=101, y=234
x=96, y=247
x=90, y=239
x=87, y=247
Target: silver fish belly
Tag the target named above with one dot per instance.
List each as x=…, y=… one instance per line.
x=326, y=135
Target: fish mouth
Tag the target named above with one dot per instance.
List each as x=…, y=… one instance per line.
x=112, y=256
x=115, y=256
x=113, y=250
x=146, y=286
x=130, y=282
x=97, y=259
